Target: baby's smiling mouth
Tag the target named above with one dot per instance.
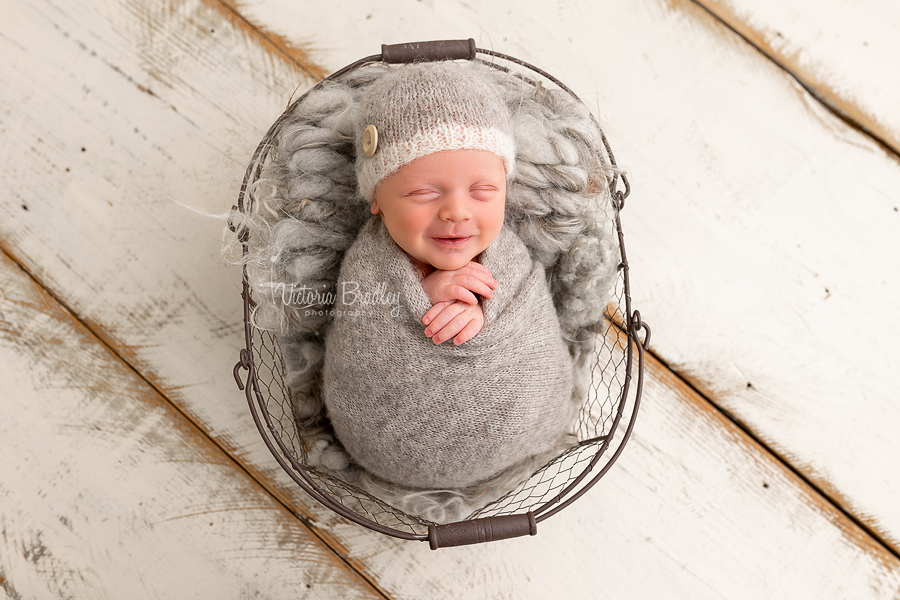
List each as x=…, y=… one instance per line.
x=451, y=241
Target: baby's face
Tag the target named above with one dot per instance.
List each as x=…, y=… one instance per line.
x=445, y=208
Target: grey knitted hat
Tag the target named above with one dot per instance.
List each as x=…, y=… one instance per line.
x=422, y=108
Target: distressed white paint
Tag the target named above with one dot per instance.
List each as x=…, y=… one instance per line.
x=688, y=495
x=121, y=110
x=847, y=49
x=106, y=491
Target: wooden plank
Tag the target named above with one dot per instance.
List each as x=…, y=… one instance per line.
x=155, y=105
x=845, y=51
x=160, y=304
x=107, y=491
x=762, y=277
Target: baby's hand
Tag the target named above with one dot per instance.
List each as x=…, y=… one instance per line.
x=461, y=284
x=453, y=318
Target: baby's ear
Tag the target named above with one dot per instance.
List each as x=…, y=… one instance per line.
x=374, y=208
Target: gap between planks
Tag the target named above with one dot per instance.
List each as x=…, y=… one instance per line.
x=297, y=56
x=820, y=91
x=777, y=457
x=325, y=539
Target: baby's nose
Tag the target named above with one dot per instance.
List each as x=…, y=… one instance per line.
x=454, y=208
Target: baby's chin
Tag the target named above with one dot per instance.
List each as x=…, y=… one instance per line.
x=452, y=263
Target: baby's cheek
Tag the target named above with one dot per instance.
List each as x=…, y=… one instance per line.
x=415, y=220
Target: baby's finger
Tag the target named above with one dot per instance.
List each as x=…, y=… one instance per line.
x=468, y=332
x=473, y=284
x=450, y=329
x=481, y=272
x=453, y=327
x=464, y=294
x=435, y=311
x=437, y=329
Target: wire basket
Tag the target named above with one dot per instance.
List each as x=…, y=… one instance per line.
x=604, y=422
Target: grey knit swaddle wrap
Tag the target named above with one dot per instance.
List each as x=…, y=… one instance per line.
x=438, y=417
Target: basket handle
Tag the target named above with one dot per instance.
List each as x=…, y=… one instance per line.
x=486, y=529
x=428, y=51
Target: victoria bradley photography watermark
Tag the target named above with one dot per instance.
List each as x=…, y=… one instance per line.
x=352, y=298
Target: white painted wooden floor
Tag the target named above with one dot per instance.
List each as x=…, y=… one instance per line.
x=762, y=138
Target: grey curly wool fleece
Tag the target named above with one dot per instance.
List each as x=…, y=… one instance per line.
x=307, y=211
x=442, y=416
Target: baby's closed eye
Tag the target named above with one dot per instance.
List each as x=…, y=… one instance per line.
x=484, y=192
x=423, y=194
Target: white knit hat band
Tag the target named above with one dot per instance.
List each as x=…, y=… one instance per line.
x=390, y=157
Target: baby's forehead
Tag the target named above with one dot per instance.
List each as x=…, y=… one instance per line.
x=452, y=165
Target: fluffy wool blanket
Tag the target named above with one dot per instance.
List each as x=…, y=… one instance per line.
x=443, y=416
x=306, y=213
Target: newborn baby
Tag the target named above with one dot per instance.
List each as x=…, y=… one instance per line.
x=433, y=264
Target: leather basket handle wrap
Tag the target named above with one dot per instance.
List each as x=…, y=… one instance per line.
x=428, y=51
x=476, y=531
